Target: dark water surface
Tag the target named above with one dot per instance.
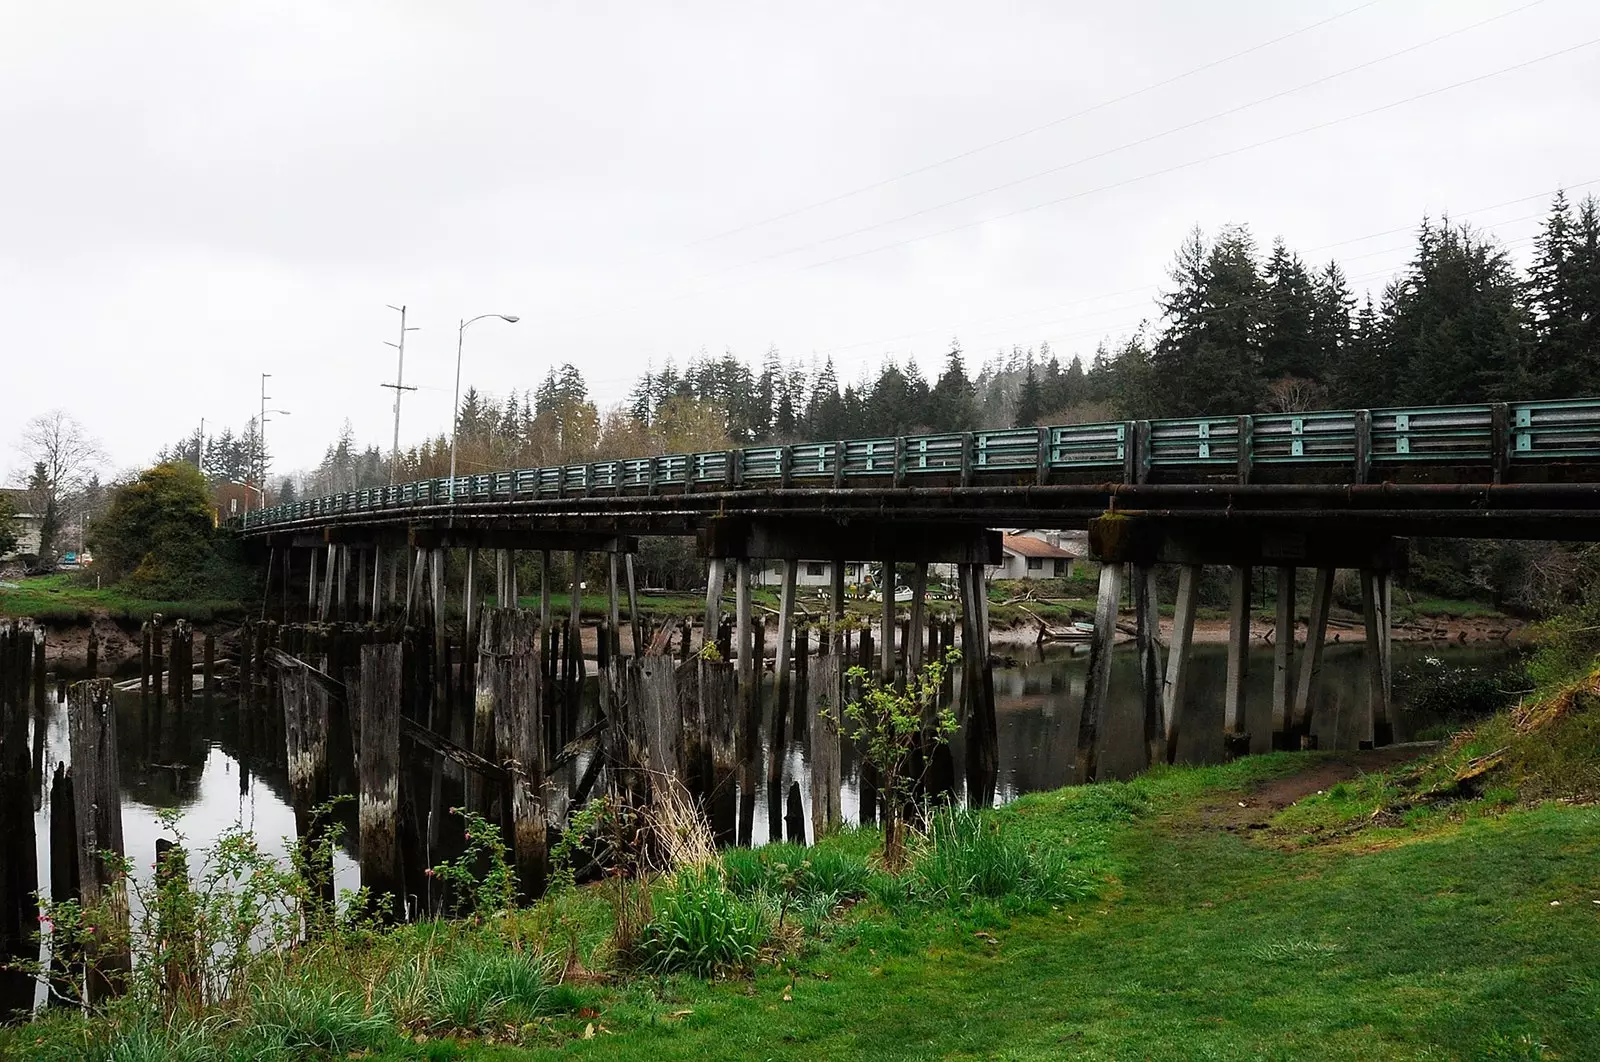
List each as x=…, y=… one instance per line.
x=212, y=772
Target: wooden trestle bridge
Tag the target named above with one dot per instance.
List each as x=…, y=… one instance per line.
x=1316, y=490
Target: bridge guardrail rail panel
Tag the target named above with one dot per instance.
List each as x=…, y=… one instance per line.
x=1557, y=430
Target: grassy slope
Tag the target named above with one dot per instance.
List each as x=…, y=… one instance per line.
x=1209, y=944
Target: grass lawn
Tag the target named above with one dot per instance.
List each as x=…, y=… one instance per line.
x=1214, y=932
x=65, y=598
x=1476, y=937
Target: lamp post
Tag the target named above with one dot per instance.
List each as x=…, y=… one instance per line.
x=455, y=416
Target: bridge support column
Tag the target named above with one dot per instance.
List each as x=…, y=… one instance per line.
x=1097, y=687
x=886, y=624
x=361, y=582
x=1375, y=617
x=716, y=571
x=1237, y=726
x=377, y=583
x=635, y=621
x=1147, y=641
x=1172, y=693
x=782, y=678
x=573, y=696
x=613, y=605
x=311, y=587
x=982, y=730
x=1283, y=654
x=1300, y=723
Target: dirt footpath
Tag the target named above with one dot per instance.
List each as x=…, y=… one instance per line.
x=1254, y=810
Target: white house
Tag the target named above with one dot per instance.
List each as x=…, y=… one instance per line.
x=812, y=573
x=29, y=524
x=1034, y=554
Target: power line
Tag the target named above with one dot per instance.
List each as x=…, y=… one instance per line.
x=970, y=152
x=1195, y=123
x=1178, y=167
x=1123, y=182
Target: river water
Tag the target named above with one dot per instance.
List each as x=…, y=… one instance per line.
x=201, y=767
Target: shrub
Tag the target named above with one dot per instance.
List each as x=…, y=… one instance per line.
x=699, y=926
x=966, y=856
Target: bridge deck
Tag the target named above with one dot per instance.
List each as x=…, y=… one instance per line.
x=1521, y=469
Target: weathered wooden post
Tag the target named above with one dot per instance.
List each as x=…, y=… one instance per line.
x=781, y=677
x=509, y=681
x=1299, y=723
x=63, y=872
x=209, y=665
x=1172, y=692
x=1283, y=654
x=634, y=619
x=1147, y=643
x=379, y=711
x=144, y=661
x=305, y=723
x=614, y=605
x=377, y=583
x=1375, y=619
x=19, y=869
x=1097, y=687
x=716, y=571
x=886, y=624
x=1238, y=733
x=824, y=701
x=97, y=799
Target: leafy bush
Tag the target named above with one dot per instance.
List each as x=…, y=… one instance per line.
x=159, y=539
x=966, y=856
x=699, y=926
x=494, y=889
x=1435, y=687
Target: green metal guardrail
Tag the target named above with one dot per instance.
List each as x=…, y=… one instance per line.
x=1498, y=436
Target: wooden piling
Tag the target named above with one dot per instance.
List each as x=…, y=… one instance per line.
x=886, y=623
x=1283, y=652
x=19, y=869
x=716, y=571
x=1300, y=728
x=1375, y=652
x=97, y=799
x=824, y=701
x=63, y=874
x=1147, y=644
x=1235, y=724
x=1173, y=702
x=510, y=689
x=635, y=621
x=613, y=606
x=1097, y=686
x=781, y=676
x=378, y=709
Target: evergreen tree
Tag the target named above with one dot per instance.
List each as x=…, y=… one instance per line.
x=1289, y=346
x=951, y=405
x=1454, y=321
x=1562, y=303
x=1030, y=401
x=1208, y=358
x=42, y=499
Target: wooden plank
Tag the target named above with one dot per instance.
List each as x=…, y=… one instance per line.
x=379, y=769
x=97, y=797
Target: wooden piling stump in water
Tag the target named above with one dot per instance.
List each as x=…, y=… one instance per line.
x=379, y=712
x=509, y=680
x=97, y=799
x=19, y=871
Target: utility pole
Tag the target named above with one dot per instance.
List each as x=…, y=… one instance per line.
x=261, y=446
x=400, y=388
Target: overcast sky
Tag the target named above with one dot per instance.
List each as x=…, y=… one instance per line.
x=194, y=194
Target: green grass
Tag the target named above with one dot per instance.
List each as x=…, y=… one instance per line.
x=1470, y=932
x=65, y=599
x=1445, y=608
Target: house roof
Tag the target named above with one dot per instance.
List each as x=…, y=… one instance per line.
x=1028, y=546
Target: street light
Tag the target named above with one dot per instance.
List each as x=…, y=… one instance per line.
x=455, y=417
